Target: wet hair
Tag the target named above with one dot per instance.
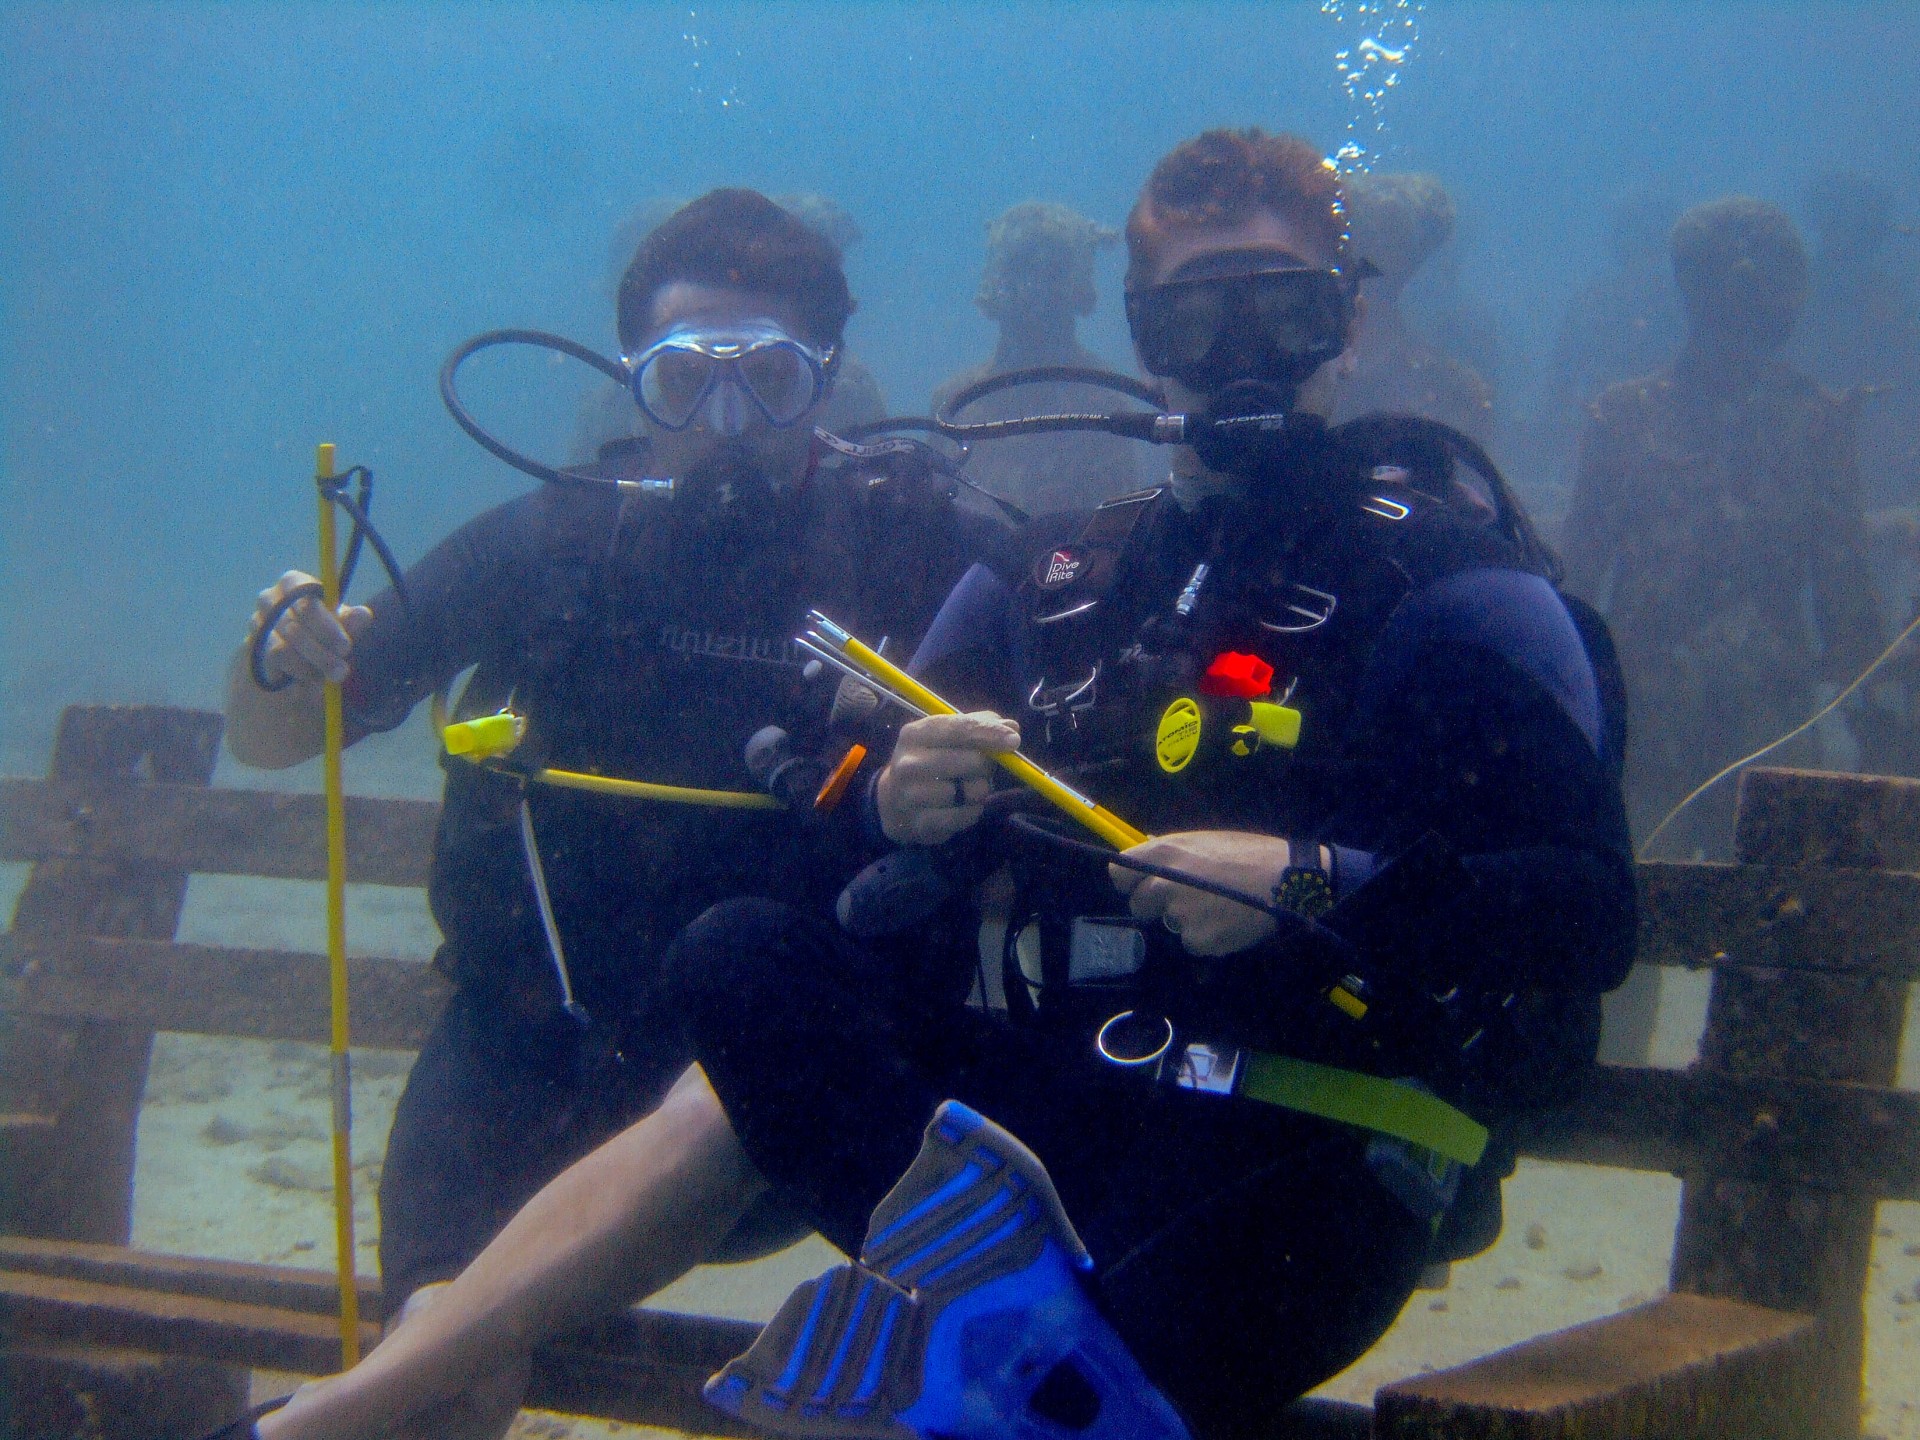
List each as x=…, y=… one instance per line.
x=1045, y=241
x=1741, y=252
x=1398, y=220
x=1224, y=177
x=741, y=240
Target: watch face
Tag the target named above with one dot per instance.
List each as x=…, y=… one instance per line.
x=1304, y=891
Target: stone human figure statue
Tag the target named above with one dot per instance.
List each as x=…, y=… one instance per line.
x=1036, y=287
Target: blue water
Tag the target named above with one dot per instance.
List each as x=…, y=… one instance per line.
x=231, y=231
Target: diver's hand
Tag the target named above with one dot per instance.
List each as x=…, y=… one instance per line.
x=1207, y=924
x=936, y=784
x=307, y=644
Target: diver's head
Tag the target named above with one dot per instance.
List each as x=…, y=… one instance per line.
x=1039, y=272
x=1238, y=290
x=1742, y=275
x=731, y=320
x=1398, y=221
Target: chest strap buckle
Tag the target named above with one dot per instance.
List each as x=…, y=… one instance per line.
x=1052, y=701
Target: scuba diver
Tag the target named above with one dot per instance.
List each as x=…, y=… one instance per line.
x=1252, y=1076
x=637, y=626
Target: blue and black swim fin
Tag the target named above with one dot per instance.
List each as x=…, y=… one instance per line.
x=965, y=1318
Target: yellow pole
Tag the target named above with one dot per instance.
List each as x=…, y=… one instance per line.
x=1097, y=818
x=342, y=1082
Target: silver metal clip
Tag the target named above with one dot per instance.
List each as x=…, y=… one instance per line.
x=1385, y=508
x=1316, y=611
x=1068, y=699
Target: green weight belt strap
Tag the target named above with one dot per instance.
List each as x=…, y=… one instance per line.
x=1367, y=1102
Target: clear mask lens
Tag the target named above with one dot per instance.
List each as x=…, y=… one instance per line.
x=729, y=376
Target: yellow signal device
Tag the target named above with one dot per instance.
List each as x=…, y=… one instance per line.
x=1348, y=1003
x=1275, y=724
x=485, y=738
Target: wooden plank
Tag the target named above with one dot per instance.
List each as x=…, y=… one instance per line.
x=82, y=1312
x=214, y=832
x=1778, y=917
x=1843, y=1139
x=74, y=1179
x=647, y=1366
x=1683, y=1365
x=61, y=1392
x=211, y=990
x=1810, y=1026
x=1809, y=817
x=280, y=1287
x=644, y=1366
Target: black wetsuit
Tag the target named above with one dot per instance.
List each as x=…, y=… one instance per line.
x=642, y=647
x=1460, y=749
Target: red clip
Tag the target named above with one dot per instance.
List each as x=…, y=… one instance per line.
x=1237, y=676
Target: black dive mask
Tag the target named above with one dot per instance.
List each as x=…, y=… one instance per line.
x=1275, y=326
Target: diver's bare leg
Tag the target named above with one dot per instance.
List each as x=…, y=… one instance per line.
x=630, y=1218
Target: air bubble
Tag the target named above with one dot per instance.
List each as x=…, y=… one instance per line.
x=1389, y=32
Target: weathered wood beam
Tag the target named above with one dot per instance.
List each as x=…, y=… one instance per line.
x=1815, y=818
x=1684, y=1365
x=1860, y=922
x=280, y=1287
x=214, y=832
x=265, y=1337
x=1846, y=1139
x=211, y=990
x=644, y=1366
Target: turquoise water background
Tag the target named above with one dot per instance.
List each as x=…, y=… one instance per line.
x=233, y=230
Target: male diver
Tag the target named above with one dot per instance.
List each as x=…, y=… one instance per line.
x=643, y=631
x=1251, y=1064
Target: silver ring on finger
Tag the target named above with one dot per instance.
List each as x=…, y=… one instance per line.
x=1172, y=924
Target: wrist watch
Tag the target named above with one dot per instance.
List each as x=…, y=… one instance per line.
x=1306, y=889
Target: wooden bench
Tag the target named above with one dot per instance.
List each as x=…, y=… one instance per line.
x=1785, y=1133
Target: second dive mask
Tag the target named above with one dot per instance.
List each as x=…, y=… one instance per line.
x=1278, y=323
x=725, y=375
